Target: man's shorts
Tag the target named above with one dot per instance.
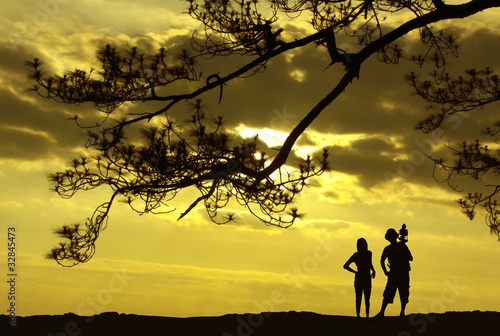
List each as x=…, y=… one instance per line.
x=397, y=281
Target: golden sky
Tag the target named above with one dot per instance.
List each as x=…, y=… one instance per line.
x=155, y=265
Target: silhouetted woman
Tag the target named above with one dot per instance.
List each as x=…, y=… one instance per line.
x=363, y=277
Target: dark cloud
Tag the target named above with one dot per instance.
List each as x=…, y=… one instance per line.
x=363, y=112
x=23, y=144
x=31, y=127
x=379, y=105
x=367, y=159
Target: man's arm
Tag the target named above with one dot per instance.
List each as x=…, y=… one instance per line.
x=382, y=261
x=410, y=257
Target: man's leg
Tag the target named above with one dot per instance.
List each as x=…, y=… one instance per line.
x=403, y=305
x=389, y=293
x=404, y=292
x=381, y=313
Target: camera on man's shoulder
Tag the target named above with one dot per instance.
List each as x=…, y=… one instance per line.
x=403, y=234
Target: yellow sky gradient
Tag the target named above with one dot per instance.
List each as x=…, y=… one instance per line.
x=155, y=265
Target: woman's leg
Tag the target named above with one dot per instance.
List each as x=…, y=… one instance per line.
x=359, y=292
x=368, y=292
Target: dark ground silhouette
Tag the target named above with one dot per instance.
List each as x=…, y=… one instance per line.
x=276, y=324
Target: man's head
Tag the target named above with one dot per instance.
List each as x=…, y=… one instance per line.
x=391, y=235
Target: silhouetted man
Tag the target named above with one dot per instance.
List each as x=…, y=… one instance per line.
x=398, y=276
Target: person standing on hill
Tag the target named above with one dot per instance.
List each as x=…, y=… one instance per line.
x=363, y=275
x=398, y=275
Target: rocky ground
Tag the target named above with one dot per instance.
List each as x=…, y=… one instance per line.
x=276, y=324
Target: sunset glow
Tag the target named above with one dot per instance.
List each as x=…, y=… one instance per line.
x=381, y=178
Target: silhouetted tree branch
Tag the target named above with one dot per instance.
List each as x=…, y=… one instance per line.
x=455, y=95
x=173, y=157
x=472, y=159
x=475, y=160
x=170, y=159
